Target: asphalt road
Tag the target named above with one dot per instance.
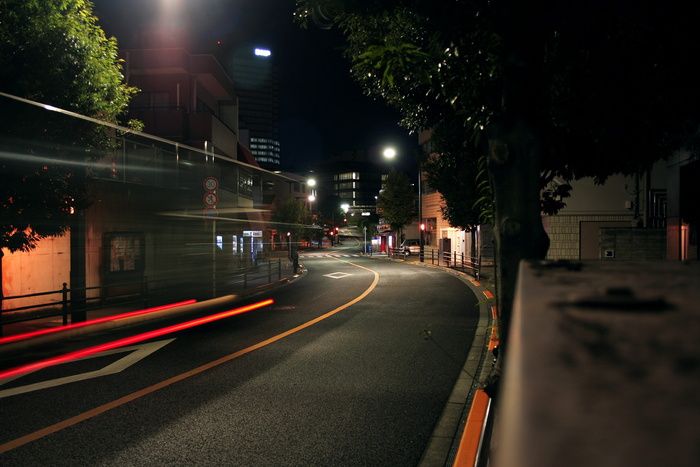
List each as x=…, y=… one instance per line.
x=365, y=385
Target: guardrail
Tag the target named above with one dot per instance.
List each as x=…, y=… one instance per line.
x=134, y=292
x=471, y=265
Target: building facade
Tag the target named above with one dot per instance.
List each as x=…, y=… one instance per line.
x=255, y=76
x=184, y=97
x=353, y=178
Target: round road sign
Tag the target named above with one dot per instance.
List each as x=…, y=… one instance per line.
x=210, y=200
x=211, y=183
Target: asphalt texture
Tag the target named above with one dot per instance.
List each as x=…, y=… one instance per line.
x=364, y=386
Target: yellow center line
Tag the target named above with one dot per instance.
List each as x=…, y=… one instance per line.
x=15, y=443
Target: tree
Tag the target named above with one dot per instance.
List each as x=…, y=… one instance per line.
x=397, y=201
x=54, y=53
x=292, y=216
x=545, y=90
x=329, y=208
x=467, y=204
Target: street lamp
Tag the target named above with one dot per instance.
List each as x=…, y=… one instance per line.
x=389, y=153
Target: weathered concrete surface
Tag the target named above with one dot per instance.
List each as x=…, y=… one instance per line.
x=603, y=367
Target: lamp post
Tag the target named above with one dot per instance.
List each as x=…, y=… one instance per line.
x=420, y=214
x=389, y=153
x=311, y=183
x=312, y=198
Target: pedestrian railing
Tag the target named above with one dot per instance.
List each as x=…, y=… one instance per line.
x=76, y=301
x=470, y=265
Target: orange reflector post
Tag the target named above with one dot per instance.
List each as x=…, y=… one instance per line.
x=469, y=444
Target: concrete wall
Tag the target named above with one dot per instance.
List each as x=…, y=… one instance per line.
x=632, y=244
x=596, y=205
x=565, y=232
x=45, y=268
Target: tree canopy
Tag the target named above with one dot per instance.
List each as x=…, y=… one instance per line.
x=54, y=53
x=292, y=216
x=610, y=87
x=397, y=201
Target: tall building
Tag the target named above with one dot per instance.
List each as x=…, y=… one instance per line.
x=255, y=78
x=354, y=178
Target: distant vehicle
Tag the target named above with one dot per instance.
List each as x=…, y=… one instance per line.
x=410, y=246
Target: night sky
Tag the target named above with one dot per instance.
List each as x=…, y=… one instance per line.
x=322, y=111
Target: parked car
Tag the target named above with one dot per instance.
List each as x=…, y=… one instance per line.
x=410, y=246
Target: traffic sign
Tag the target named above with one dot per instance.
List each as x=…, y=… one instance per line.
x=210, y=200
x=211, y=183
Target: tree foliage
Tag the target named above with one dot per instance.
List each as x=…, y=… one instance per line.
x=447, y=168
x=54, y=53
x=294, y=217
x=612, y=95
x=397, y=201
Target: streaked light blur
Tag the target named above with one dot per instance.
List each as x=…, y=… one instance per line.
x=70, y=356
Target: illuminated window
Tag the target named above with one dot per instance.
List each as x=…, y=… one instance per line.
x=220, y=242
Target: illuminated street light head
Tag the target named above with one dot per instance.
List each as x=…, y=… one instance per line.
x=389, y=153
x=312, y=198
x=345, y=207
x=311, y=182
x=260, y=52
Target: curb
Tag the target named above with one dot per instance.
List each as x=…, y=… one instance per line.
x=458, y=434
x=178, y=312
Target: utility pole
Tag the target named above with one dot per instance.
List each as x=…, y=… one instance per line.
x=420, y=214
x=365, y=244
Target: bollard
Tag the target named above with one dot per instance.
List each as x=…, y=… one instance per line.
x=64, y=303
x=462, y=260
x=432, y=257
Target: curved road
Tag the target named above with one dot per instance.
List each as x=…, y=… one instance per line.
x=363, y=384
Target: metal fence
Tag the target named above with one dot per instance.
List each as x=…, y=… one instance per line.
x=469, y=264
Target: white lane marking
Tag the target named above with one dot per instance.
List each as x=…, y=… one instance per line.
x=337, y=275
x=136, y=353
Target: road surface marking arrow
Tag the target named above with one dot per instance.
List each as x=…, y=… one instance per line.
x=136, y=354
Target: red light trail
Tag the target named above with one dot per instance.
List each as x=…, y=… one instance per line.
x=126, y=341
x=43, y=332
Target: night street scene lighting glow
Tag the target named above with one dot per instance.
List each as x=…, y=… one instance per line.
x=262, y=52
x=389, y=153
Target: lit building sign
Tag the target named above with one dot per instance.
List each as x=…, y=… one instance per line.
x=262, y=52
